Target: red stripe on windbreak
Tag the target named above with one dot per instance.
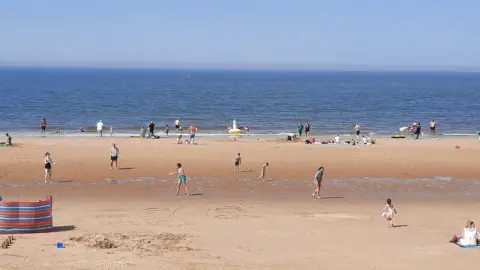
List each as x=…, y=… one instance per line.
x=26, y=224
x=26, y=214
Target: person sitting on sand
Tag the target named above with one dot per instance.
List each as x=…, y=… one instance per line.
x=317, y=179
x=470, y=236
x=337, y=139
x=388, y=212
x=263, y=172
x=179, y=139
x=9, y=140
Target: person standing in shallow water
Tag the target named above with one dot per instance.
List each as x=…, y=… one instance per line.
x=433, y=126
x=307, y=130
x=357, y=130
x=300, y=130
x=43, y=125
x=317, y=179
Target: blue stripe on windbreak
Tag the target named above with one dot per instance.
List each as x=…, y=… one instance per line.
x=25, y=229
x=19, y=219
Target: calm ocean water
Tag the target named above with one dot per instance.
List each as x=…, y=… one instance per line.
x=265, y=101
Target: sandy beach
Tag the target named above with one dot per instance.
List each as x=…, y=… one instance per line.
x=131, y=219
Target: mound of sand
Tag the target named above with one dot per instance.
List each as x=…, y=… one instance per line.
x=136, y=243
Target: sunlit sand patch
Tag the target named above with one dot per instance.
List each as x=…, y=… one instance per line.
x=141, y=244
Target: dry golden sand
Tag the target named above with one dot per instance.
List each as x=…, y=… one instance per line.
x=240, y=223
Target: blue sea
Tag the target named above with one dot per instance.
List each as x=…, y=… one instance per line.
x=268, y=102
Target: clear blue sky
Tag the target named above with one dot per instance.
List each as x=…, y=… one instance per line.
x=365, y=34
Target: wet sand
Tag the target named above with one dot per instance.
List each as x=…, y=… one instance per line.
x=235, y=222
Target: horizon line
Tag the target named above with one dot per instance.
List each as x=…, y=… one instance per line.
x=249, y=68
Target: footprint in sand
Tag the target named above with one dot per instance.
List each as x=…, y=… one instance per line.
x=228, y=212
x=333, y=216
x=432, y=250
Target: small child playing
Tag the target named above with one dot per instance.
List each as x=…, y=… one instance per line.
x=388, y=212
x=238, y=162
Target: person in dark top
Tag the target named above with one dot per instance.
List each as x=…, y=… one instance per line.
x=300, y=130
x=43, y=125
x=307, y=130
x=417, y=130
x=151, y=128
x=167, y=129
x=9, y=139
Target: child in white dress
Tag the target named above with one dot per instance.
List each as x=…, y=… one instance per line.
x=388, y=212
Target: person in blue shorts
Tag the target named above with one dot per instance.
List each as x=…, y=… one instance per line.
x=182, y=179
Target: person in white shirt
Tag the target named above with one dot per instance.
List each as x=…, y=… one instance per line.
x=337, y=139
x=114, y=152
x=177, y=125
x=364, y=139
x=100, y=128
x=357, y=130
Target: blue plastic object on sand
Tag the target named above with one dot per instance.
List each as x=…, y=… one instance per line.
x=469, y=246
x=59, y=245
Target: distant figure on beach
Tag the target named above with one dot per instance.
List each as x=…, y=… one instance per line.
x=307, y=130
x=317, y=179
x=433, y=126
x=337, y=139
x=182, y=179
x=263, y=172
x=48, y=167
x=300, y=130
x=142, y=132
x=181, y=129
x=111, y=131
x=100, y=128
x=114, y=152
x=417, y=130
x=357, y=130
x=238, y=162
x=364, y=139
x=151, y=128
x=167, y=130
x=193, y=130
x=179, y=139
x=43, y=125
x=177, y=125
x=9, y=139
x=81, y=130
x=388, y=212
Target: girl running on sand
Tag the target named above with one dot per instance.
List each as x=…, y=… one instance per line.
x=317, y=179
x=263, y=172
x=48, y=167
x=388, y=212
x=182, y=179
x=238, y=162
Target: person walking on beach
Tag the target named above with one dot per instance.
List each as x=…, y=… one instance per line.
x=182, y=179
x=151, y=128
x=43, y=125
x=263, y=172
x=177, y=125
x=417, y=130
x=238, y=162
x=307, y=130
x=193, y=130
x=300, y=130
x=114, y=152
x=433, y=126
x=317, y=179
x=167, y=129
x=388, y=212
x=112, y=130
x=100, y=128
x=48, y=167
x=357, y=130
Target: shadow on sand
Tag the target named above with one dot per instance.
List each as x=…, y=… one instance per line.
x=66, y=228
x=399, y=226
x=331, y=197
x=126, y=168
